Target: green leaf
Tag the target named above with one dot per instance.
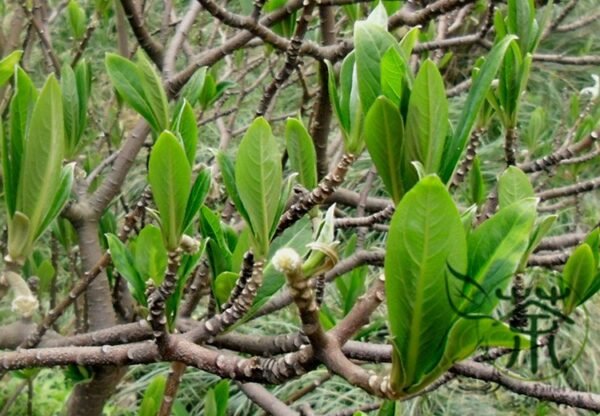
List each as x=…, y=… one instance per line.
x=19, y=240
x=70, y=97
x=379, y=16
x=469, y=334
x=209, y=91
x=284, y=197
x=219, y=255
x=42, y=156
x=7, y=66
x=228, y=174
x=130, y=83
x=197, y=196
x=301, y=152
x=532, y=135
x=153, y=397
x=426, y=123
x=513, y=186
x=425, y=235
x=340, y=113
x=578, y=276
x=355, y=287
x=60, y=198
x=76, y=19
x=347, y=83
x=222, y=397
x=210, y=403
x=224, y=284
x=521, y=21
x=476, y=183
x=258, y=180
x=153, y=91
x=193, y=88
x=83, y=77
x=21, y=107
x=184, y=272
x=593, y=240
x=394, y=78
x=150, y=256
x=46, y=272
x=475, y=99
x=593, y=288
x=125, y=265
x=371, y=42
x=495, y=250
x=388, y=408
x=384, y=137
x=75, y=87
x=540, y=229
x=508, y=83
x=185, y=125
x=169, y=174
x=408, y=42
x=221, y=87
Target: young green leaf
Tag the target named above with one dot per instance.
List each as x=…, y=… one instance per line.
x=70, y=97
x=150, y=256
x=184, y=272
x=228, y=174
x=21, y=107
x=83, y=77
x=42, y=157
x=222, y=397
x=153, y=397
x=384, y=137
x=219, y=255
x=301, y=152
x=76, y=19
x=197, y=196
x=258, y=180
x=224, y=284
x=60, y=198
x=476, y=183
x=7, y=66
x=395, y=75
x=578, y=276
x=185, y=125
x=346, y=84
x=408, y=42
x=371, y=42
x=467, y=335
x=284, y=197
x=477, y=95
x=520, y=20
x=19, y=240
x=495, y=250
x=540, y=229
x=426, y=235
x=129, y=82
x=154, y=92
x=193, y=88
x=209, y=91
x=513, y=186
x=169, y=174
x=593, y=240
x=210, y=403
x=426, y=123
x=125, y=265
